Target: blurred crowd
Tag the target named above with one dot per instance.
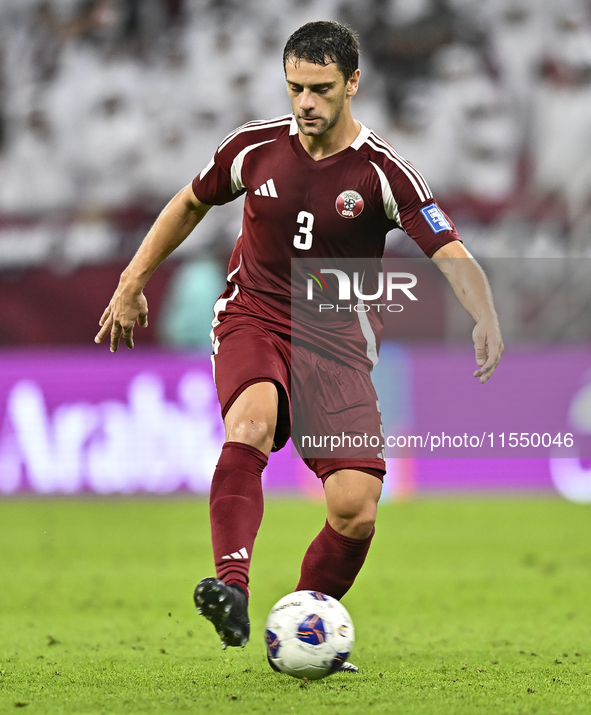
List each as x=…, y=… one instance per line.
x=108, y=107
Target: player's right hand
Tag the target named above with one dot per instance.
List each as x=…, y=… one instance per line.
x=120, y=317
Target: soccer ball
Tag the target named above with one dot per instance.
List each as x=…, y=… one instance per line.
x=309, y=635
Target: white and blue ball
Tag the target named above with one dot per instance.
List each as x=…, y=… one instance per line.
x=309, y=635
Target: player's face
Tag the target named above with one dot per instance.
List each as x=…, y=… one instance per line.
x=318, y=94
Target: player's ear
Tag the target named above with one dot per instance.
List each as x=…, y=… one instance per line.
x=353, y=84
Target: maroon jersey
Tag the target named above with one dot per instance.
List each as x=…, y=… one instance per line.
x=339, y=207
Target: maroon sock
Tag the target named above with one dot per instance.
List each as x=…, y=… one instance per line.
x=236, y=510
x=332, y=562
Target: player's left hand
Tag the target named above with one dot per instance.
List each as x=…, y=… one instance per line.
x=488, y=346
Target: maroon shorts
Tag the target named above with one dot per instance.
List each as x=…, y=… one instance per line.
x=321, y=401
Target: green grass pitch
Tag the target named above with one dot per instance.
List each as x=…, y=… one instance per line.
x=465, y=606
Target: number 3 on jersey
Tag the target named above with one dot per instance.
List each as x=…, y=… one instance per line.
x=303, y=239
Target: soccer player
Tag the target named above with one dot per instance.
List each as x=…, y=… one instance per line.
x=318, y=184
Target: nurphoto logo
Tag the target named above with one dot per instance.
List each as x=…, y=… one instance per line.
x=387, y=283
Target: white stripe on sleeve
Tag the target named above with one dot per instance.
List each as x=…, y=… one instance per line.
x=390, y=205
x=236, y=169
x=395, y=156
x=401, y=166
x=207, y=168
x=254, y=126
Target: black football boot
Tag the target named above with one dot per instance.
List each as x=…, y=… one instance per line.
x=226, y=606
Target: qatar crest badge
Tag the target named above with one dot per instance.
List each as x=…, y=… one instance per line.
x=349, y=204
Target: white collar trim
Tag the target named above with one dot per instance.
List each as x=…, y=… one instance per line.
x=361, y=138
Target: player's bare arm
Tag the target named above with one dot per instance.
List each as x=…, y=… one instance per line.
x=472, y=289
x=128, y=304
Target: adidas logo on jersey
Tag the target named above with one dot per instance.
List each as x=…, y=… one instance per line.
x=237, y=555
x=267, y=189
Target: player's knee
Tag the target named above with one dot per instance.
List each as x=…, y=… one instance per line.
x=361, y=527
x=255, y=432
x=352, y=502
x=354, y=522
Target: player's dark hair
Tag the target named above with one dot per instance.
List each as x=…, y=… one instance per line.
x=322, y=43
